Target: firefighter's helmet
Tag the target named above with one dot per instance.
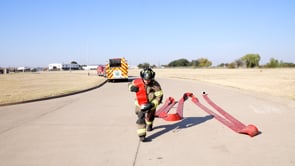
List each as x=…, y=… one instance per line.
x=147, y=74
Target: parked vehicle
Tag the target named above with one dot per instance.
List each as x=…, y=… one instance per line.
x=101, y=70
x=117, y=68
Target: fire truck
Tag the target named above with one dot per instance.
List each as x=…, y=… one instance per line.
x=100, y=70
x=117, y=68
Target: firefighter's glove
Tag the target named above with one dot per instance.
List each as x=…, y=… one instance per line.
x=134, y=88
x=147, y=107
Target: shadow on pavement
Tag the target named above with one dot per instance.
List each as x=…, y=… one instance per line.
x=130, y=79
x=185, y=123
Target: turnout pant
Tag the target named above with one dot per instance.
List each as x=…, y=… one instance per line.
x=144, y=120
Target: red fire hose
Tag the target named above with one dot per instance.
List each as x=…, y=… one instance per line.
x=225, y=119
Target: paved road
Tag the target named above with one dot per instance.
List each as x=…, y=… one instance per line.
x=98, y=128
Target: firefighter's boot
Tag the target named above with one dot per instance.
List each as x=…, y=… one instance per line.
x=149, y=126
x=142, y=138
x=141, y=126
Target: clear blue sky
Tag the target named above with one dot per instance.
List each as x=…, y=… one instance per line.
x=38, y=32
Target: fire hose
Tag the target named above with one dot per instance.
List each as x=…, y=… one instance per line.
x=224, y=117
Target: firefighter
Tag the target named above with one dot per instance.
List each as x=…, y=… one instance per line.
x=154, y=95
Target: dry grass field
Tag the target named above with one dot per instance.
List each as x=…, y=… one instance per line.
x=275, y=82
x=17, y=87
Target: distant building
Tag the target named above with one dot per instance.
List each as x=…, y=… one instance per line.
x=70, y=67
x=55, y=66
x=90, y=67
x=59, y=66
x=23, y=69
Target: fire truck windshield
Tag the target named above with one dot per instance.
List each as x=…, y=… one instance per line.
x=115, y=62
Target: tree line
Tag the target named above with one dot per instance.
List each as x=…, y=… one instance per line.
x=246, y=61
